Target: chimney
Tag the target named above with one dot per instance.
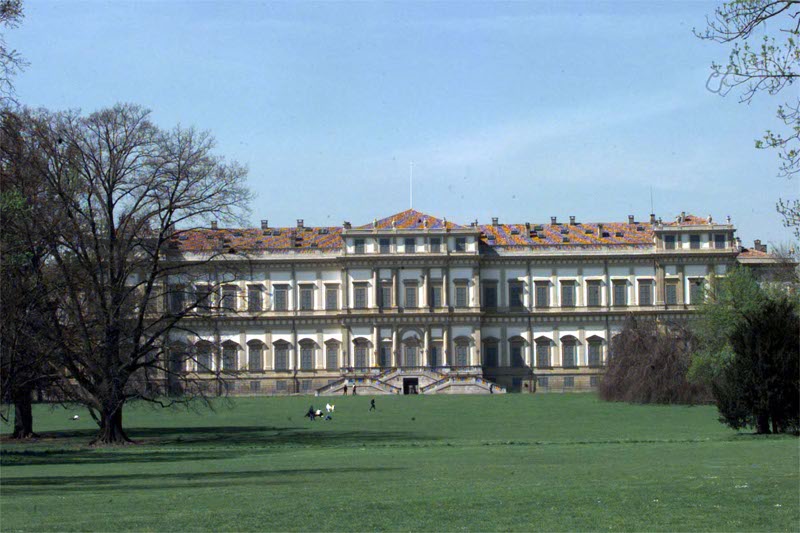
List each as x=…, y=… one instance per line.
x=213, y=224
x=683, y=216
x=299, y=222
x=553, y=221
x=652, y=218
x=738, y=244
x=630, y=219
x=572, y=220
x=759, y=247
x=599, y=230
x=265, y=224
x=527, y=226
x=347, y=225
x=494, y=221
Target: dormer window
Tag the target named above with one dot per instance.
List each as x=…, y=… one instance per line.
x=385, y=246
x=515, y=231
x=359, y=245
x=669, y=242
x=461, y=244
x=436, y=245
x=694, y=242
x=410, y=245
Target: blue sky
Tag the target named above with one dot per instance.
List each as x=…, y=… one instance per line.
x=521, y=111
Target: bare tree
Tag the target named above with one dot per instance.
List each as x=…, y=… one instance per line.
x=763, y=60
x=11, y=62
x=122, y=193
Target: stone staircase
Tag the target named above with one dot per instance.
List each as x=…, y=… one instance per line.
x=429, y=381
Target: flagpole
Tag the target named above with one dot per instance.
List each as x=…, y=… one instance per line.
x=411, y=184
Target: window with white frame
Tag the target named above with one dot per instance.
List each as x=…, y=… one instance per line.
x=462, y=353
x=645, y=292
x=360, y=296
x=229, y=357
x=360, y=245
x=332, y=356
x=620, y=290
x=593, y=293
x=255, y=298
x=543, y=353
x=462, y=295
x=282, y=356
x=567, y=294
x=410, y=295
x=461, y=244
x=436, y=245
x=542, y=294
x=490, y=353
x=410, y=245
x=255, y=356
x=516, y=348
x=569, y=353
x=306, y=356
x=281, y=297
x=306, y=297
x=595, y=352
x=516, y=294
x=331, y=297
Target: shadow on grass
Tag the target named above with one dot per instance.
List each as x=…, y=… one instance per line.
x=123, y=482
x=181, y=440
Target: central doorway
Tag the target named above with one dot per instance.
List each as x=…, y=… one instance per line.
x=410, y=385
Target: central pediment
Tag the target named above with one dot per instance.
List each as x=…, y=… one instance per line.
x=411, y=219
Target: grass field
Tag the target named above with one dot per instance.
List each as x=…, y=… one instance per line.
x=504, y=462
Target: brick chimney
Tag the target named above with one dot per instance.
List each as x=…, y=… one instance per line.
x=759, y=247
x=599, y=230
x=265, y=224
x=495, y=221
x=572, y=220
x=630, y=219
x=553, y=221
x=299, y=222
x=213, y=224
x=652, y=218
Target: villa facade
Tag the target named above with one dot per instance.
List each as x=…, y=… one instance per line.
x=414, y=303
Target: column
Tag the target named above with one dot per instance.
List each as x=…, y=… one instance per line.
x=426, y=274
x=504, y=359
x=476, y=359
x=345, y=290
x=502, y=289
x=555, y=355
x=476, y=286
x=446, y=286
x=426, y=347
x=375, y=288
x=530, y=289
x=582, y=357
x=660, y=285
x=242, y=356
x=376, y=342
x=395, y=360
x=395, y=289
x=268, y=356
x=346, y=347
x=682, y=285
x=446, y=345
x=293, y=363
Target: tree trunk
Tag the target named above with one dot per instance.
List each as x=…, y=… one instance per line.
x=23, y=416
x=762, y=423
x=111, y=431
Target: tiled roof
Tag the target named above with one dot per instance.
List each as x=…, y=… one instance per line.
x=411, y=219
x=613, y=233
x=298, y=239
x=752, y=253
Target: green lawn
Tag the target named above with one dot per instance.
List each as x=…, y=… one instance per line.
x=503, y=462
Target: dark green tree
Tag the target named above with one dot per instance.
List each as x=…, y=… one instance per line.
x=760, y=385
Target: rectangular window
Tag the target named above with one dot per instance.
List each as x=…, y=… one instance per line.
x=593, y=381
x=229, y=358
x=361, y=356
x=281, y=298
x=595, y=353
x=490, y=354
x=569, y=382
x=254, y=358
x=694, y=242
x=177, y=299
x=228, y=302
x=696, y=291
x=543, y=381
x=280, y=385
x=359, y=245
x=542, y=294
x=411, y=296
x=385, y=356
x=593, y=293
x=281, y=358
x=331, y=357
x=461, y=296
x=410, y=246
x=461, y=244
x=255, y=298
x=306, y=298
x=645, y=292
x=672, y=293
x=360, y=297
x=305, y=385
x=516, y=292
x=567, y=294
x=203, y=295
x=331, y=298
x=386, y=246
x=386, y=295
x=669, y=242
x=490, y=295
x=719, y=242
x=436, y=295
x=255, y=387
x=436, y=245
x=543, y=354
x=620, y=293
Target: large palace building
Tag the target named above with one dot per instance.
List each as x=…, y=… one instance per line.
x=417, y=304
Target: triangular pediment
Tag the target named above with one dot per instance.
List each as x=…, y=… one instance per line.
x=411, y=219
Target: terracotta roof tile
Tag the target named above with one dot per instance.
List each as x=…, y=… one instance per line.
x=563, y=235
x=411, y=219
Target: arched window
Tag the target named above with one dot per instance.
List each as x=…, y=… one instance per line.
x=230, y=352
x=490, y=350
x=203, y=349
x=361, y=352
x=331, y=355
x=595, y=347
x=516, y=349
x=307, y=355
x=385, y=355
x=543, y=353
x=281, y=356
x=255, y=356
x=462, y=353
x=569, y=353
